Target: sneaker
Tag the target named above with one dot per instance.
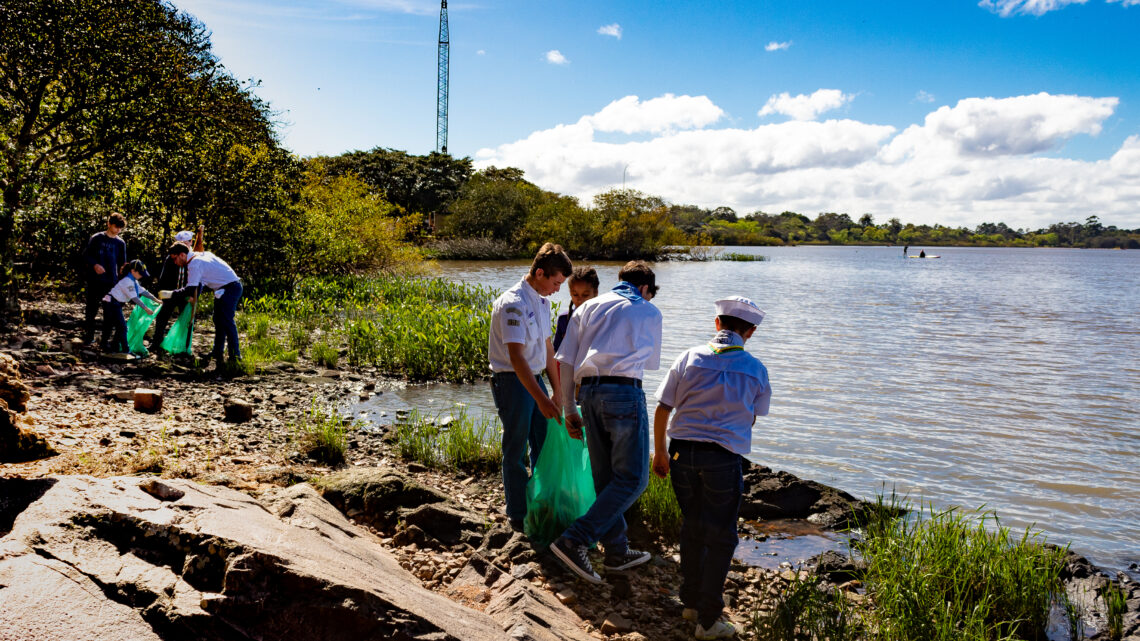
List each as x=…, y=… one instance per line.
x=689, y=614
x=720, y=630
x=575, y=558
x=625, y=559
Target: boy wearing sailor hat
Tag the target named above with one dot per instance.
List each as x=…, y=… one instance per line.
x=717, y=390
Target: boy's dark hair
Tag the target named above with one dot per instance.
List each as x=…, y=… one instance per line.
x=735, y=324
x=137, y=265
x=117, y=220
x=637, y=273
x=178, y=248
x=551, y=258
x=587, y=275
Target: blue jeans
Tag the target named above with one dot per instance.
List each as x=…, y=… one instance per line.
x=708, y=481
x=225, y=329
x=113, y=317
x=617, y=435
x=523, y=425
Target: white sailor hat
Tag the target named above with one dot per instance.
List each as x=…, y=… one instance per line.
x=184, y=236
x=741, y=308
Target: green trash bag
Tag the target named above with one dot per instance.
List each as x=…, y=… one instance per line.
x=561, y=488
x=177, y=340
x=137, y=325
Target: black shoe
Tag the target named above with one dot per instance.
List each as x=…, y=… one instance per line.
x=625, y=559
x=517, y=525
x=575, y=558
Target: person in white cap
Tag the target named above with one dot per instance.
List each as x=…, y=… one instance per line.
x=171, y=277
x=717, y=390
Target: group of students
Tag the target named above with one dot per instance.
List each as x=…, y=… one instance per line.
x=112, y=281
x=596, y=360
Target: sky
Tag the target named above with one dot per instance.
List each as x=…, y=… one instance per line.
x=1020, y=111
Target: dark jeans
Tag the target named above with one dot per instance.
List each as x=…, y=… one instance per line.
x=168, y=310
x=523, y=425
x=617, y=436
x=708, y=481
x=113, y=316
x=95, y=291
x=225, y=329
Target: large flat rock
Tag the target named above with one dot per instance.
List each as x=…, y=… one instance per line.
x=130, y=558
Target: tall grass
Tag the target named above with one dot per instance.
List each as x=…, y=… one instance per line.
x=949, y=574
x=468, y=444
x=422, y=329
x=322, y=436
x=740, y=257
x=658, y=506
x=808, y=610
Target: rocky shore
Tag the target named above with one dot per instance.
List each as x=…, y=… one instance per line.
x=173, y=505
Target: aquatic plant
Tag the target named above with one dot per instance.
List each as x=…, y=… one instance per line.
x=322, y=436
x=451, y=440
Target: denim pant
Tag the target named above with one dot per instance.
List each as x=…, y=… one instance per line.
x=617, y=436
x=225, y=329
x=113, y=316
x=523, y=425
x=708, y=481
x=95, y=291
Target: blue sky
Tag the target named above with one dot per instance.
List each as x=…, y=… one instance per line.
x=1026, y=111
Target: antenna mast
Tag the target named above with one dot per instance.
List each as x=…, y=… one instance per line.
x=441, y=91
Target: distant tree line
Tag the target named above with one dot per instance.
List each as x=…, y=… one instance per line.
x=123, y=106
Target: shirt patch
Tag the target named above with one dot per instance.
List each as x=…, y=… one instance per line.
x=514, y=322
x=513, y=310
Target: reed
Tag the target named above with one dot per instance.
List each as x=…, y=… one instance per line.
x=324, y=354
x=740, y=258
x=465, y=443
x=807, y=610
x=1115, y=605
x=322, y=436
x=658, y=507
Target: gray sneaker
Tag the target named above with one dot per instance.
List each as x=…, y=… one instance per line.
x=720, y=630
x=575, y=558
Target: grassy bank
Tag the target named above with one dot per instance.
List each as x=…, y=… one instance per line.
x=419, y=328
x=453, y=440
x=938, y=575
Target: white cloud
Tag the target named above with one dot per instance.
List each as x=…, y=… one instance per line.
x=1127, y=3
x=1006, y=8
x=924, y=96
x=555, y=57
x=629, y=115
x=611, y=30
x=781, y=46
x=803, y=107
x=976, y=161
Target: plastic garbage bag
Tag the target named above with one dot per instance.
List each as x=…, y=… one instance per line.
x=139, y=321
x=561, y=488
x=177, y=340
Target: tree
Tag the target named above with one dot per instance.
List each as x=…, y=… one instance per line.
x=495, y=203
x=80, y=79
x=423, y=184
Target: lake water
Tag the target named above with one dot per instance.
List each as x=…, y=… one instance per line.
x=1004, y=378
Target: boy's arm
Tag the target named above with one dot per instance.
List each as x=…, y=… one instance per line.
x=552, y=374
x=660, y=452
x=570, y=406
x=526, y=377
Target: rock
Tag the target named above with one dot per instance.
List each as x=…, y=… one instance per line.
x=122, y=395
x=148, y=400
x=237, y=410
x=838, y=568
x=378, y=496
x=616, y=624
x=13, y=391
x=86, y=559
x=16, y=443
x=567, y=597
x=161, y=491
x=73, y=346
x=330, y=374
x=780, y=495
x=45, y=370
x=521, y=609
x=448, y=524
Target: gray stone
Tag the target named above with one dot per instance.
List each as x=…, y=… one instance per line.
x=237, y=410
x=102, y=559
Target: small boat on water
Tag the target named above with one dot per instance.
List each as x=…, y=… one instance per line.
x=924, y=256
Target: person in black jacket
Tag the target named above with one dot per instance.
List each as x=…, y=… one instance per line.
x=105, y=255
x=171, y=277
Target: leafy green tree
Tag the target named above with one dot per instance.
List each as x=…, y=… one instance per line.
x=424, y=184
x=83, y=78
x=635, y=225
x=495, y=203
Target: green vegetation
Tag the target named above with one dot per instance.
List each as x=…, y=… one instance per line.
x=320, y=436
x=324, y=354
x=451, y=440
x=807, y=610
x=1115, y=605
x=740, y=258
x=658, y=507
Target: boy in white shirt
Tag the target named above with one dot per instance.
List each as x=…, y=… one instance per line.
x=519, y=350
x=610, y=341
x=126, y=290
x=718, y=390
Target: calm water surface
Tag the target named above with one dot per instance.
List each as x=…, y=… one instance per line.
x=999, y=377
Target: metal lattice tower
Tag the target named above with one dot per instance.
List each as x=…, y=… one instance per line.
x=441, y=91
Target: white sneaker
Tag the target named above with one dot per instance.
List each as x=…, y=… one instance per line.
x=720, y=630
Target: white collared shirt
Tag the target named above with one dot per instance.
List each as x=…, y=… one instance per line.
x=519, y=315
x=716, y=396
x=611, y=335
x=209, y=271
x=126, y=289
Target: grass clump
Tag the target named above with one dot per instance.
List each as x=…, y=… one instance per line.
x=808, y=610
x=741, y=258
x=322, y=436
x=950, y=574
x=1115, y=605
x=324, y=354
x=658, y=506
x=466, y=443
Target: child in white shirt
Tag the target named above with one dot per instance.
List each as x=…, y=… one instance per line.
x=126, y=290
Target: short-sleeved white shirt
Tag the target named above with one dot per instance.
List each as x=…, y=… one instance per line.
x=519, y=315
x=716, y=396
x=209, y=271
x=126, y=289
x=611, y=335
